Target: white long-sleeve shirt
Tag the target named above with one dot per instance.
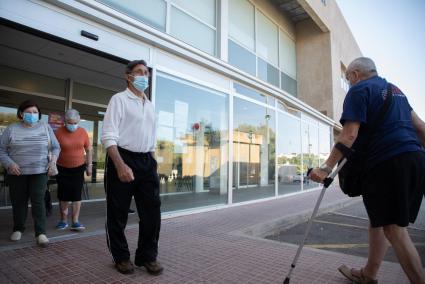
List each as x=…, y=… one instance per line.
x=129, y=123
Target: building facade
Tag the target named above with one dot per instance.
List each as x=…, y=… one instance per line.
x=247, y=92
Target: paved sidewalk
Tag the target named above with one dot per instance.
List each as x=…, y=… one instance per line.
x=208, y=247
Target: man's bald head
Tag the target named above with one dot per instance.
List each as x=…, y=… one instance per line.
x=360, y=69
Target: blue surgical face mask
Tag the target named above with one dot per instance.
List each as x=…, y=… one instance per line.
x=71, y=127
x=141, y=83
x=30, y=118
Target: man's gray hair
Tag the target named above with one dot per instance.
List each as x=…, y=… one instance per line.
x=72, y=114
x=363, y=64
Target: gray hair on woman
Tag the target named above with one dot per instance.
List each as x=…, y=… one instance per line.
x=72, y=114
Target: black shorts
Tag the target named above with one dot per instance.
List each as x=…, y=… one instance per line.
x=393, y=190
x=70, y=183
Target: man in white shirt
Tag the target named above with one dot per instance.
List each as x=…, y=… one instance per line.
x=131, y=170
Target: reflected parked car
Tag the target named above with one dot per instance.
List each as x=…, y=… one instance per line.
x=297, y=178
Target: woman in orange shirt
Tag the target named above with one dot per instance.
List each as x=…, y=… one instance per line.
x=74, y=159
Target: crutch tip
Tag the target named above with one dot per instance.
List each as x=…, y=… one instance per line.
x=286, y=281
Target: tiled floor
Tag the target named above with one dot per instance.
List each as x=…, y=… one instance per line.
x=200, y=248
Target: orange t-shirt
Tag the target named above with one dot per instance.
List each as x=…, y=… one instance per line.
x=72, y=145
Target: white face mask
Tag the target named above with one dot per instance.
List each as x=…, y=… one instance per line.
x=71, y=127
x=141, y=83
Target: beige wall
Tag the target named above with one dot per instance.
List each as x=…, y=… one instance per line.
x=323, y=43
x=314, y=72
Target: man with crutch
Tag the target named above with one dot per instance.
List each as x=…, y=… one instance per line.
x=394, y=182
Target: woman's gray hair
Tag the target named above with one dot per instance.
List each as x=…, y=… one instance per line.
x=72, y=114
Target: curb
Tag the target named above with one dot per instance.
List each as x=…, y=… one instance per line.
x=272, y=227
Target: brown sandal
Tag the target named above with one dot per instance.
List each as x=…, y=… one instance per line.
x=363, y=279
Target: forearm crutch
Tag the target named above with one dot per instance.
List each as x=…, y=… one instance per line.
x=326, y=183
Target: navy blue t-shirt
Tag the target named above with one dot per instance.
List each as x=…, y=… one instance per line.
x=395, y=135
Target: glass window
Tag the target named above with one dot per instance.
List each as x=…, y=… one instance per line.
x=268, y=72
x=282, y=106
x=324, y=142
x=192, y=144
x=240, y=89
x=288, y=84
x=241, y=58
x=254, y=138
x=88, y=93
x=289, y=155
x=204, y=10
x=310, y=150
x=151, y=12
x=309, y=119
x=287, y=55
x=241, y=23
x=191, y=31
x=32, y=82
x=267, y=39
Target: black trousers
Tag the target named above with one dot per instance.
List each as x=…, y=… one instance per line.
x=145, y=189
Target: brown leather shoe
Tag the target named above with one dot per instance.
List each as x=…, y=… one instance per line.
x=153, y=267
x=125, y=267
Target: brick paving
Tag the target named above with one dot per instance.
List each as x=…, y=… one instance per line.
x=207, y=247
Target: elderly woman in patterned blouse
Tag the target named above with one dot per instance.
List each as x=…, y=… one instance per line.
x=24, y=150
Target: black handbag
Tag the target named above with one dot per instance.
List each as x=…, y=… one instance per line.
x=352, y=173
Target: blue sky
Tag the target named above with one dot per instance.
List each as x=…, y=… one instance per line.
x=392, y=33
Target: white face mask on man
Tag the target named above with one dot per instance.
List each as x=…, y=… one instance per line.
x=141, y=83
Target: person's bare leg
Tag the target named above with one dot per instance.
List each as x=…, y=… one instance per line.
x=63, y=208
x=406, y=253
x=76, y=205
x=378, y=246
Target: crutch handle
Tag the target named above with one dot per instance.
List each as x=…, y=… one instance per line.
x=327, y=182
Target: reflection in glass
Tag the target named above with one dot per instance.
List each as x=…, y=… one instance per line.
x=287, y=54
x=253, y=151
x=204, y=10
x=288, y=84
x=199, y=35
x=241, y=22
x=192, y=144
x=241, y=58
x=267, y=38
x=288, y=109
x=151, y=12
x=268, y=72
x=324, y=142
x=310, y=150
x=253, y=94
x=289, y=155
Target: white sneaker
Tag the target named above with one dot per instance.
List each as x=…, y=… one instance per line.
x=42, y=240
x=16, y=236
